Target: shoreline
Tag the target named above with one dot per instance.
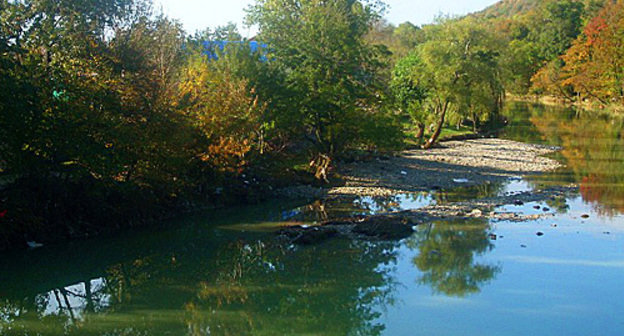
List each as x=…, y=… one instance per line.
x=451, y=164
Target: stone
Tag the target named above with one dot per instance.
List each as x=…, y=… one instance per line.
x=385, y=228
x=539, y=234
x=476, y=213
x=315, y=235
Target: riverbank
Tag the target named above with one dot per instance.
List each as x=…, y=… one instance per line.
x=452, y=164
x=612, y=109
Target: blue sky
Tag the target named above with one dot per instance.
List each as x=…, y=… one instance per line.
x=199, y=14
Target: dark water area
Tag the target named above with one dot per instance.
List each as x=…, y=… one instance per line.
x=223, y=273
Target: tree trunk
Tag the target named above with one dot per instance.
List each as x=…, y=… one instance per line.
x=436, y=134
x=474, y=121
x=421, y=133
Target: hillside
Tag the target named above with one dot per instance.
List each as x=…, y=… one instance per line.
x=509, y=8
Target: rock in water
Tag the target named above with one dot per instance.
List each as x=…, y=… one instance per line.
x=476, y=213
x=315, y=235
x=386, y=228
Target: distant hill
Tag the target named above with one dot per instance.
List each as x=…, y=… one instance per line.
x=509, y=8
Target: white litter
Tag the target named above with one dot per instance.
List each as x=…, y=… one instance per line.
x=461, y=180
x=33, y=244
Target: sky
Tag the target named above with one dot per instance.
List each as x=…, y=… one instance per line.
x=200, y=14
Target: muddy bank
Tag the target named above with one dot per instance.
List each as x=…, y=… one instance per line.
x=452, y=164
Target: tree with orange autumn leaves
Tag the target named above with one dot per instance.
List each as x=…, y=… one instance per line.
x=593, y=67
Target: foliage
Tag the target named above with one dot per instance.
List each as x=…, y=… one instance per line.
x=594, y=65
x=223, y=110
x=328, y=67
x=455, y=72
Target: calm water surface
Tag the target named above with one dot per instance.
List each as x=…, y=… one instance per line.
x=223, y=274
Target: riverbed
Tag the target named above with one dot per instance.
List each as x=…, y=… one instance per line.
x=225, y=273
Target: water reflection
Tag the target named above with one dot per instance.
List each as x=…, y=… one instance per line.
x=447, y=252
x=246, y=287
x=593, y=149
x=200, y=280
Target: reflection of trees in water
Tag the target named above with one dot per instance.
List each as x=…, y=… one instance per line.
x=462, y=194
x=63, y=309
x=593, y=149
x=447, y=256
x=188, y=286
x=243, y=289
x=326, y=209
x=260, y=290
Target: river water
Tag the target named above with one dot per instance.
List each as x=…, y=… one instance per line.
x=223, y=274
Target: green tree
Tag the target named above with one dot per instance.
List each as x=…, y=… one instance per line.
x=330, y=69
x=559, y=23
x=457, y=72
x=409, y=93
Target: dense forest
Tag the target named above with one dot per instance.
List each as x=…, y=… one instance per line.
x=112, y=115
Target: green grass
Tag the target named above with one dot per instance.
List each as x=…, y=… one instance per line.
x=447, y=133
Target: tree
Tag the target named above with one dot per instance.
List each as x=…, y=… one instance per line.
x=330, y=69
x=408, y=93
x=594, y=65
x=560, y=22
x=458, y=72
x=223, y=110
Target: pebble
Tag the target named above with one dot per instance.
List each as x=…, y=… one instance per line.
x=476, y=213
x=539, y=234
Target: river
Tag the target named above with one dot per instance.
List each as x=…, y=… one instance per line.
x=222, y=273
